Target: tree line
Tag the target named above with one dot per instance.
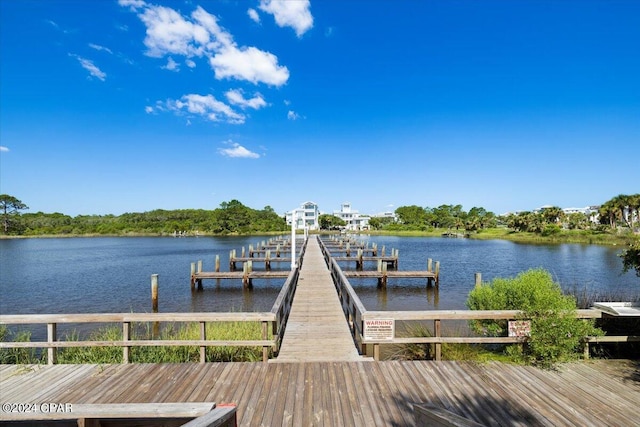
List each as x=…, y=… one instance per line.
x=230, y=218
x=620, y=211
x=235, y=218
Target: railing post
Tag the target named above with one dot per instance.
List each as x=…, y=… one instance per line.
x=437, y=332
x=51, y=338
x=585, y=348
x=154, y=293
x=376, y=352
x=203, y=336
x=193, y=279
x=478, y=278
x=126, y=329
x=265, y=334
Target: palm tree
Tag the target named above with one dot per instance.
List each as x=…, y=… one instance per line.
x=621, y=205
x=608, y=211
x=553, y=214
x=634, y=208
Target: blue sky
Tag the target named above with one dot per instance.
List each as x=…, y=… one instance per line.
x=109, y=107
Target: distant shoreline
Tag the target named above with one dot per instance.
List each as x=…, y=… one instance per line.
x=567, y=236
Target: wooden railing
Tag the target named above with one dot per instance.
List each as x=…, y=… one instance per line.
x=357, y=315
x=437, y=316
x=351, y=304
x=276, y=319
x=282, y=307
x=127, y=342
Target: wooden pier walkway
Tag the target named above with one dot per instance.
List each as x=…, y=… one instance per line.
x=316, y=330
x=598, y=393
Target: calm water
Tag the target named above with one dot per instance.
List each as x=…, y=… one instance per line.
x=81, y=275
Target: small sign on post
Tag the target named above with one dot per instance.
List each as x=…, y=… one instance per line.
x=379, y=329
x=519, y=328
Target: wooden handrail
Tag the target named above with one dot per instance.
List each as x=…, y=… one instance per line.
x=125, y=319
x=356, y=312
x=25, y=319
x=463, y=314
x=277, y=317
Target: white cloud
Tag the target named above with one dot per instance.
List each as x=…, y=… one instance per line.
x=236, y=97
x=237, y=150
x=100, y=48
x=292, y=115
x=149, y=109
x=253, y=15
x=90, y=67
x=133, y=4
x=205, y=106
x=4, y=149
x=171, y=65
x=287, y=13
x=170, y=33
x=189, y=63
x=251, y=64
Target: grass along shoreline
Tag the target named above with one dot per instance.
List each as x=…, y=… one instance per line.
x=564, y=236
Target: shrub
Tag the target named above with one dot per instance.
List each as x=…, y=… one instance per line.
x=556, y=334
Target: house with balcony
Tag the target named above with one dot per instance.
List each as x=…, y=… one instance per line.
x=355, y=221
x=306, y=216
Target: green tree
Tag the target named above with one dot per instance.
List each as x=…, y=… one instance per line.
x=479, y=218
x=556, y=333
x=10, y=208
x=631, y=258
x=621, y=209
x=577, y=221
x=412, y=216
x=378, y=223
x=552, y=215
x=330, y=222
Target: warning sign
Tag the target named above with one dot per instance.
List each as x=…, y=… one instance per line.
x=519, y=328
x=379, y=329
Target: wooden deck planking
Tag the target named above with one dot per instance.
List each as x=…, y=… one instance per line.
x=316, y=329
x=548, y=404
x=351, y=393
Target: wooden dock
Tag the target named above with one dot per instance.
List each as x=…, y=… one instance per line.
x=383, y=276
x=319, y=378
x=601, y=393
x=316, y=329
x=360, y=260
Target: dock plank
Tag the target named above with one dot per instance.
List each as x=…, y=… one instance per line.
x=351, y=393
x=316, y=329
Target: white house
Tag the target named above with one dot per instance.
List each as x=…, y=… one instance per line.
x=306, y=216
x=354, y=219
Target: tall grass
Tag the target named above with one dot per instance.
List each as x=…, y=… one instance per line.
x=148, y=354
x=449, y=351
x=17, y=355
x=585, y=298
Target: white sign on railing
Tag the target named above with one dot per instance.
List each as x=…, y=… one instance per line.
x=519, y=328
x=379, y=329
